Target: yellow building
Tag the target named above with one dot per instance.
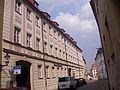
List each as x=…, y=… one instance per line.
x=107, y=14
x=37, y=44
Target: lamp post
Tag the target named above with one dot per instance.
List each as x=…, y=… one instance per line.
x=6, y=62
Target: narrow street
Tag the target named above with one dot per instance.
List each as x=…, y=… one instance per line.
x=96, y=85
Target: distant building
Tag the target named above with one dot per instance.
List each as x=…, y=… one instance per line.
x=94, y=71
x=100, y=65
x=107, y=14
x=44, y=51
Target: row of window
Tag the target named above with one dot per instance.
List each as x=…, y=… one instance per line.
x=60, y=38
x=18, y=9
x=51, y=72
x=57, y=53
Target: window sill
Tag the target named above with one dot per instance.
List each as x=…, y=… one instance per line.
x=29, y=20
x=40, y=78
x=29, y=48
x=18, y=12
x=48, y=77
x=17, y=43
x=38, y=26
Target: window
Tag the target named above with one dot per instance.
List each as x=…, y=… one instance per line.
x=51, y=49
x=39, y=71
x=55, y=34
x=53, y=71
x=44, y=25
x=56, y=52
x=37, y=21
x=45, y=47
x=50, y=30
x=18, y=6
x=28, y=14
x=17, y=35
x=47, y=71
x=60, y=53
x=28, y=40
x=37, y=43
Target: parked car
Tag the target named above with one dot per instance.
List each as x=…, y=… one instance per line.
x=66, y=82
x=81, y=81
x=15, y=88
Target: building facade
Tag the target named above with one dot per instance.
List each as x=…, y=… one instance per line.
x=100, y=65
x=94, y=72
x=107, y=14
x=37, y=44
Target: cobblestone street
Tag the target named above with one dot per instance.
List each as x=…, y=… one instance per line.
x=96, y=85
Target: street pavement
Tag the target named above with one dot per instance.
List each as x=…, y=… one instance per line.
x=96, y=85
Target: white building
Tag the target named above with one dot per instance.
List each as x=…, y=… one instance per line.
x=100, y=65
x=42, y=49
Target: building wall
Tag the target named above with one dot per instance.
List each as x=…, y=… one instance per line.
x=100, y=65
x=55, y=51
x=107, y=15
x=1, y=31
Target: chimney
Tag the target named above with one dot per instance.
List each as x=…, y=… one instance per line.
x=46, y=14
x=32, y=1
x=55, y=23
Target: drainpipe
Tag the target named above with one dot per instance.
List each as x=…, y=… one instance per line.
x=1, y=31
x=66, y=55
x=44, y=56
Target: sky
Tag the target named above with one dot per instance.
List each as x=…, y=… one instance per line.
x=77, y=19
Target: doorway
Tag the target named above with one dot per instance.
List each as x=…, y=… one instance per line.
x=69, y=72
x=23, y=79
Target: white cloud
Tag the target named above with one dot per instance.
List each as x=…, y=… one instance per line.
x=56, y=2
x=74, y=23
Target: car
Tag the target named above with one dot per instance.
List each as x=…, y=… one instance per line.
x=15, y=88
x=66, y=83
x=81, y=81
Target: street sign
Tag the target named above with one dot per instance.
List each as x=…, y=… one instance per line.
x=16, y=70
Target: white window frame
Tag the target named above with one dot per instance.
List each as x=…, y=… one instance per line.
x=28, y=40
x=18, y=6
x=17, y=35
x=39, y=71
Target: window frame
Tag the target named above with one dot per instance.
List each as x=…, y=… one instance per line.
x=17, y=35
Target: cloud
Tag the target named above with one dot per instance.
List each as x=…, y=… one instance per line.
x=74, y=23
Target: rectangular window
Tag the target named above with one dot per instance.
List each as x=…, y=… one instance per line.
x=37, y=43
x=37, y=21
x=51, y=47
x=47, y=71
x=17, y=35
x=28, y=40
x=53, y=71
x=57, y=71
x=44, y=25
x=39, y=71
x=56, y=52
x=28, y=14
x=45, y=47
x=50, y=30
x=18, y=7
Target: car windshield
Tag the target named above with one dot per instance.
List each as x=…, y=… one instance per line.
x=63, y=79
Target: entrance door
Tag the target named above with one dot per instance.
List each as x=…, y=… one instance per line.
x=69, y=72
x=24, y=78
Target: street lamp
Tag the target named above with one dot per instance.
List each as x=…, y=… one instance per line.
x=7, y=56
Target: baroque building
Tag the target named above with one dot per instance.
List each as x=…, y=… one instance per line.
x=107, y=14
x=31, y=40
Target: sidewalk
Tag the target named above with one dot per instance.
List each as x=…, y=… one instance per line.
x=96, y=85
